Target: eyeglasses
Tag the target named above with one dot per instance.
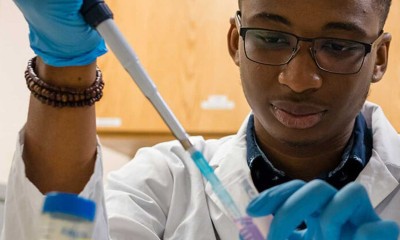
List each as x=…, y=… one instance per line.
x=275, y=48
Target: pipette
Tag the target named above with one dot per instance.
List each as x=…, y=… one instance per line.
x=99, y=16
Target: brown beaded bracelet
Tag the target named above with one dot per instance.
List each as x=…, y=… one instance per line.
x=62, y=96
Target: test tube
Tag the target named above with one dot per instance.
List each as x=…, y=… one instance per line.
x=242, y=190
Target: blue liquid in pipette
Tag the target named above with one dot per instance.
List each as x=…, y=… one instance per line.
x=218, y=188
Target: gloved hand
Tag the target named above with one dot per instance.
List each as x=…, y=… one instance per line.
x=328, y=213
x=58, y=33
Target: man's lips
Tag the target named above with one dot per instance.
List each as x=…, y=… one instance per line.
x=298, y=116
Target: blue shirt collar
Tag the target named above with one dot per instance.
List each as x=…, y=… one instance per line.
x=354, y=158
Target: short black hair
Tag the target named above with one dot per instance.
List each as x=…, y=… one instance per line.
x=383, y=7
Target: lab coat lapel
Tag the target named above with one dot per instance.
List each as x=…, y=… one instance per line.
x=377, y=179
x=376, y=176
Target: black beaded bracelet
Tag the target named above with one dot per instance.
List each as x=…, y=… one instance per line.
x=62, y=96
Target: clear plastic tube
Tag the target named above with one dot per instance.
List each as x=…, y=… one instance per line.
x=238, y=185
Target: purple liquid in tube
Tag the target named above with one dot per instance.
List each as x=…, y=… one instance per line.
x=248, y=230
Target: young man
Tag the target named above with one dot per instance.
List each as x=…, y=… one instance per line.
x=306, y=68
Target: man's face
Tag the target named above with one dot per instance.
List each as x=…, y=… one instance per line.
x=298, y=103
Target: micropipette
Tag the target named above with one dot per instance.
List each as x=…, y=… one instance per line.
x=99, y=16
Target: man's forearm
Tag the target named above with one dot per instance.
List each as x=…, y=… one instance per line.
x=60, y=143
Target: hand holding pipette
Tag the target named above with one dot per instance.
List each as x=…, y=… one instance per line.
x=74, y=44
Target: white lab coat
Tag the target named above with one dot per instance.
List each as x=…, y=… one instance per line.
x=161, y=194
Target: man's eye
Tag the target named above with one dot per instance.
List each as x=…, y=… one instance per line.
x=272, y=41
x=275, y=40
x=341, y=46
x=335, y=47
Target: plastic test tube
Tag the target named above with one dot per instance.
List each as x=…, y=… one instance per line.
x=242, y=190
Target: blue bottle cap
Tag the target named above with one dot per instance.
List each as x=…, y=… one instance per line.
x=71, y=204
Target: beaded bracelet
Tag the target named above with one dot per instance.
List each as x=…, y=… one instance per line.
x=62, y=96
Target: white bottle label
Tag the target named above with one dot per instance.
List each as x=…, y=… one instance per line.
x=61, y=229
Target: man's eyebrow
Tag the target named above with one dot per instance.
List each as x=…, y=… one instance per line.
x=271, y=17
x=346, y=26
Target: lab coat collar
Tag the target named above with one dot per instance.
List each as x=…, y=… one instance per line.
x=231, y=157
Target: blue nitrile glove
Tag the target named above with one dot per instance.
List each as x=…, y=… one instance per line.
x=350, y=215
x=58, y=33
x=328, y=213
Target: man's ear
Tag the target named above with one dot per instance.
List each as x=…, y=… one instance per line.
x=233, y=41
x=382, y=57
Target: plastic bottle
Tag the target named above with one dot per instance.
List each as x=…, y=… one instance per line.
x=67, y=216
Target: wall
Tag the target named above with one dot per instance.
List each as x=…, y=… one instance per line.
x=15, y=51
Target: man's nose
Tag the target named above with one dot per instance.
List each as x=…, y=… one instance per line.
x=301, y=74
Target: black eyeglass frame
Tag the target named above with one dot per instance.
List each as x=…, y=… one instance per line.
x=367, y=46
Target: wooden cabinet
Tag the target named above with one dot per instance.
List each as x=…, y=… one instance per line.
x=183, y=47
